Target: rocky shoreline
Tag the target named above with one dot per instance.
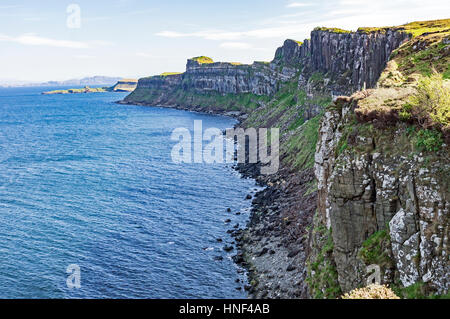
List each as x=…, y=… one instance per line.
x=273, y=245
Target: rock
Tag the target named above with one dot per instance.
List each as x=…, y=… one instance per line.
x=228, y=248
x=359, y=194
x=291, y=267
x=218, y=258
x=293, y=252
x=262, y=252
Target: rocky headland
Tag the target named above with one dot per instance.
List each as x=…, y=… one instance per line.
x=124, y=85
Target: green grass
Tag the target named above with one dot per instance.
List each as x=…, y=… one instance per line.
x=375, y=250
x=428, y=140
x=419, y=290
x=418, y=28
x=372, y=29
x=322, y=275
x=425, y=61
x=301, y=147
x=245, y=102
x=203, y=59
x=316, y=77
x=170, y=73
x=334, y=30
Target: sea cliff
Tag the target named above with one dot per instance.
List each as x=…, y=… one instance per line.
x=364, y=176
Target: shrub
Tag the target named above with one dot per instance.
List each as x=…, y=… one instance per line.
x=371, y=292
x=429, y=140
x=431, y=103
x=376, y=249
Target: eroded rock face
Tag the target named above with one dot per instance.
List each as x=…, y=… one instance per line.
x=366, y=188
x=292, y=52
x=352, y=60
x=160, y=82
x=226, y=78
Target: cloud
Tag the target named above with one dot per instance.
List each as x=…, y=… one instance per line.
x=337, y=13
x=84, y=57
x=219, y=35
x=31, y=39
x=235, y=45
x=145, y=55
x=208, y=34
x=101, y=43
x=298, y=5
x=9, y=7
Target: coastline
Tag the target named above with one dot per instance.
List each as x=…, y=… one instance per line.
x=272, y=247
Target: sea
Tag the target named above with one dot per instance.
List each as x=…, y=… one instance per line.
x=93, y=206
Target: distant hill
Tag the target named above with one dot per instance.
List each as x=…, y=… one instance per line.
x=88, y=81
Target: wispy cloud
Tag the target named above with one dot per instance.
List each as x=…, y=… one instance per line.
x=84, y=57
x=299, y=4
x=145, y=55
x=219, y=35
x=235, y=45
x=5, y=7
x=32, y=39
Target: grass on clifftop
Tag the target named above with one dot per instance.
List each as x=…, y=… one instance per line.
x=420, y=27
x=170, y=73
x=334, y=30
x=203, y=59
x=416, y=28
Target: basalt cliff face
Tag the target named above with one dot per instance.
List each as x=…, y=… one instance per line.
x=346, y=62
x=204, y=80
x=353, y=190
x=383, y=203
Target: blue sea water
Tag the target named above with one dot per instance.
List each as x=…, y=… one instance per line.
x=89, y=182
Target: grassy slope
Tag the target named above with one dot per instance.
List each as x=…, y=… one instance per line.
x=243, y=102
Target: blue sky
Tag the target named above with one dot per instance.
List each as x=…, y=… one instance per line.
x=135, y=38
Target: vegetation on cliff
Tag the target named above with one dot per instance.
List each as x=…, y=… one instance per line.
x=333, y=30
x=202, y=60
x=371, y=292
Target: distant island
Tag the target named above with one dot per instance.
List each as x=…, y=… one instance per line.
x=124, y=85
x=96, y=80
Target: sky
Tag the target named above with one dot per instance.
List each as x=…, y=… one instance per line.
x=59, y=40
